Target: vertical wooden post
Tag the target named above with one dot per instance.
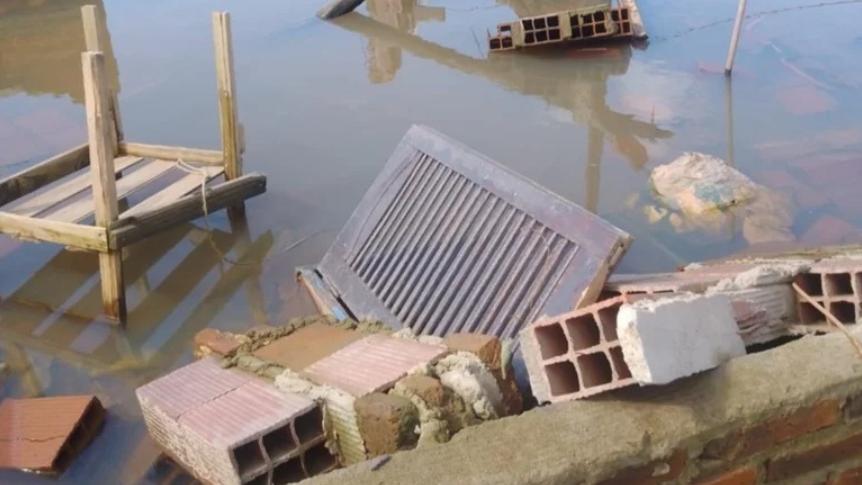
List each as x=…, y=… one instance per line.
x=734, y=38
x=96, y=40
x=230, y=130
x=99, y=130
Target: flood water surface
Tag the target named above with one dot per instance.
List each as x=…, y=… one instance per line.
x=324, y=104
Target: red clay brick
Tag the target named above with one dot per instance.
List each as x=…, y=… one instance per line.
x=659, y=471
x=307, y=345
x=740, y=476
x=387, y=423
x=852, y=476
x=814, y=459
x=210, y=340
x=747, y=442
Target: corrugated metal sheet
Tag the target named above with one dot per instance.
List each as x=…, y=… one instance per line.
x=447, y=240
x=371, y=364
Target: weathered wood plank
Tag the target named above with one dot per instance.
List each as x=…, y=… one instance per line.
x=75, y=235
x=321, y=295
x=208, y=157
x=100, y=132
x=228, y=122
x=43, y=173
x=337, y=8
x=96, y=40
x=53, y=196
x=131, y=229
x=126, y=186
x=180, y=188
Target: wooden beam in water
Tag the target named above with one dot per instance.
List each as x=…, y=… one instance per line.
x=190, y=207
x=79, y=236
x=196, y=155
x=31, y=179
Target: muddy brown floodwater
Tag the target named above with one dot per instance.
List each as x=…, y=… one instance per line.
x=324, y=104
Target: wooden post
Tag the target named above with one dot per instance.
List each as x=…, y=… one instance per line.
x=230, y=136
x=96, y=40
x=734, y=39
x=99, y=131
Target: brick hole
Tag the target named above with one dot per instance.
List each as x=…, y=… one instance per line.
x=309, y=426
x=552, y=340
x=541, y=36
x=554, y=34
x=495, y=44
x=249, y=458
x=608, y=294
x=615, y=15
x=811, y=283
x=576, y=33
x=587, y=18
x=317, y=460
x=529, y=38
x=627, y=28
x=553, y=21
x=583, y=331
x=623, y=371
x=261, y=479
x=595, y=369
x=809, y=314
x=562, y=378
x=838, y=284
x=505, y=28
x=528, y=24
x=600, y=29
x=507, y=42
x=288, y=472
x=844, y=311
x=608, y=318
x=599, y=16
x=573, y=21
x=539, y=23
x=279, y=443
x=588, y=31
x=625, y=13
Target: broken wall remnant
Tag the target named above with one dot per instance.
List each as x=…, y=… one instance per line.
x=667, y=339
x=588, y=23
x=45, y=434
x=576, y=354
x=229, y=427
x=447, y=240
x=835, y=283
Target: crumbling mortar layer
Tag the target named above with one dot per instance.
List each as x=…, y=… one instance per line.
x=630, y=426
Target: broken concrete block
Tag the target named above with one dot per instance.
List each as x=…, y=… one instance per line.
x=664, y=340
x=44, y=434
x=387, y=423
x=486, y=347
x=465, y=374
x=442, y=413
x=372, y=364
x=227, y=427
x=307, y=345
x=211, y=341
x=576, y=354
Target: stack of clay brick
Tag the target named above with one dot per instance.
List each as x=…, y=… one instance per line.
x=279, y=404
x=654, y=329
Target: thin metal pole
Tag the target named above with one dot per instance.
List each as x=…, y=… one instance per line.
x=734, y=39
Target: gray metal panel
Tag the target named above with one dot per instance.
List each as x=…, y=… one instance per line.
x=447, y=240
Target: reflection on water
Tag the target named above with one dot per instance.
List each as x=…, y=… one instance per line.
x=325, y=103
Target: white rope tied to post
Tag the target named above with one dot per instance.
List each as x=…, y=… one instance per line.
x=185, y=167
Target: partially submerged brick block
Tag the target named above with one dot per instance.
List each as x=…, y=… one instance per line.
x=44, y=434
x=576, y=354
x=582, y=24
x=372, y=364
x=387, y=423
x=664, y=340
x=836, y=284
x=307, y=345
x=228, y=427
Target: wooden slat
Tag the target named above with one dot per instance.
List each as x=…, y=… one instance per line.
x=131, y=229
x=43, y=173
x=182, y=187
x=96, y=40
x=74, y=235
x=129, y=184
x=199, y=155
x=51, y=197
